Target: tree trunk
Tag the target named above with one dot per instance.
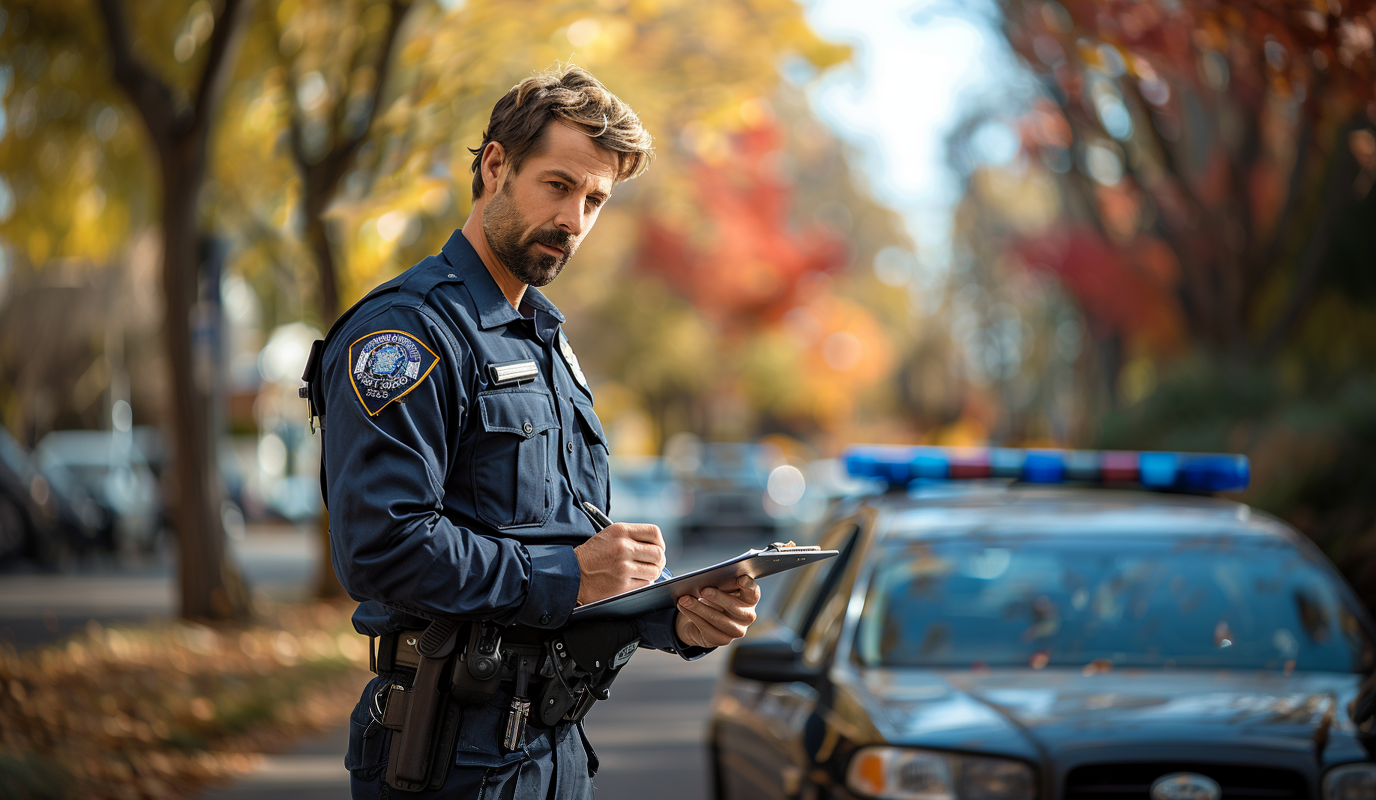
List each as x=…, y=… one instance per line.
x=327, y=585
x=178, y=132
x=211, y=587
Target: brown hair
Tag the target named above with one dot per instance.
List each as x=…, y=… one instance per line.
x=570, y=94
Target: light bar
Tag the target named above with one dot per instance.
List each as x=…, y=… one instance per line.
x=1179, y=472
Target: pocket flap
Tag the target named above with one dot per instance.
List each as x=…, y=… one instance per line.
x=592, y=424
x=522, y=413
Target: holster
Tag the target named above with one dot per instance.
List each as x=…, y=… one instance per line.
x=586, y=658
x=424, y=718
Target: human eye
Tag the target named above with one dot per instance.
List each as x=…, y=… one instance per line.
x=558, y=186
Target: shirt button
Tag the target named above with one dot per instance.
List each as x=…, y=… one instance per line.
x=544, y=620
x=570, y=446
x=527, y=427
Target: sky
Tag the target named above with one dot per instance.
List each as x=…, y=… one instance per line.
x=917, y=67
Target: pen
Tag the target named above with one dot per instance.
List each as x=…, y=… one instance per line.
x=598, y=518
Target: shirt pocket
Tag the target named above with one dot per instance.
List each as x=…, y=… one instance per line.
x=511, y=457
x=593, y=459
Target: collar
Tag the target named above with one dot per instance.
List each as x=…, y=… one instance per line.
x=493, y=308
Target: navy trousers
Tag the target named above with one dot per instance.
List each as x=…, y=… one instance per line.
x=555, y=764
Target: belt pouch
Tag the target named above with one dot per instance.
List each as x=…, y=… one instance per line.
x=430, y=721
x=587, y=658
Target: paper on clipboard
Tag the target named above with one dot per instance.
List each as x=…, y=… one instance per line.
x=657, y=596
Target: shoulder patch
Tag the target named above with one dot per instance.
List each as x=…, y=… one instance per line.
x=385, y=365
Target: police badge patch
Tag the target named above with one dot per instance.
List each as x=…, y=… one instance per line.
x=387, y=365
x=567, y=351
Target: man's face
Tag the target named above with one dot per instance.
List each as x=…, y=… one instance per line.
x=539, y=216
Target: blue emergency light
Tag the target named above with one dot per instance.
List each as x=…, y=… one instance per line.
x=1179, y=472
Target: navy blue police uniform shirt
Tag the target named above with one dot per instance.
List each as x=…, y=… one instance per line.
x=449, y=493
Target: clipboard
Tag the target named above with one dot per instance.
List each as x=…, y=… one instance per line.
x=757, y=564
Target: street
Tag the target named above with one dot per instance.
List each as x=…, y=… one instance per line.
x=649, y=733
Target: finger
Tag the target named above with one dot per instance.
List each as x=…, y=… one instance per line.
x=713, y=617
x=711, y=634
x=647, y=554
x=709, y=602
x=705, y=634
x=730, y=604
x=645, y=533
x=646, y=573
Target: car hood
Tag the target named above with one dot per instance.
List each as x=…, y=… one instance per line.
x=1030, y=712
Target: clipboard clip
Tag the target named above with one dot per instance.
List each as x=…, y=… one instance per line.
x=790, y=547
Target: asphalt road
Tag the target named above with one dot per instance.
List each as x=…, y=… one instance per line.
x=649, y=736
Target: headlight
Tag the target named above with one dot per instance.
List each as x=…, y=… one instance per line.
x=900, y=773
x=1350, y=782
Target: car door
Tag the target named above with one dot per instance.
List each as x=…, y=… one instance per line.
x=759, y=743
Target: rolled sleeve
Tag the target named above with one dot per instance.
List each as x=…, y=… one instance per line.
x=553, y=588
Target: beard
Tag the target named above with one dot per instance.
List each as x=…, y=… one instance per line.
x=503, y=226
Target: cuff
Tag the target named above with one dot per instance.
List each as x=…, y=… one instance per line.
x=656, y=630
x=553, y=587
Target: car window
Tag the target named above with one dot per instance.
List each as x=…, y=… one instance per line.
x=1207, y=602
x=799, y=606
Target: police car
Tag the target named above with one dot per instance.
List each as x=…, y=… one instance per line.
x=1008, y=625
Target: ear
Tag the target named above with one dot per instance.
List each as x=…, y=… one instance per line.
x=492, y=166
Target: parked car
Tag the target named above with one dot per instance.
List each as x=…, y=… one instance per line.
x=112, y=469
x=999, y=640
x=728, y=487
x=44, y=514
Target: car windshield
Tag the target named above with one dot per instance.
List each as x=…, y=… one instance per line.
x=1213, y=602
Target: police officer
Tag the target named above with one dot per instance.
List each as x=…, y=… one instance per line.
x=459, y=446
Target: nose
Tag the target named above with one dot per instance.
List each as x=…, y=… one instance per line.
x=571, y=218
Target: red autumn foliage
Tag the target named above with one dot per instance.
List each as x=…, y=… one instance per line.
x=1123, y=291
x=749, y=267
x=1242, y=152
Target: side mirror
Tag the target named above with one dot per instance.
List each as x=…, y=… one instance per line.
x=775, y=657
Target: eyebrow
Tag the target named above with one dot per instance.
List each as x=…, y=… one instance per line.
x=570, y=180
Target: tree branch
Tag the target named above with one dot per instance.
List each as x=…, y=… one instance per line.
x=149, y=95
x=218, y=65
x=1337, y=196
x=295, y=136
x=383, y=70
x=341, y=108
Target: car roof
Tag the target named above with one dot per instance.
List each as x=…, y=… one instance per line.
x=1001, y=507
x=89, y=447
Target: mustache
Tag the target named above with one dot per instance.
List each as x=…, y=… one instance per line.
x=554, y=238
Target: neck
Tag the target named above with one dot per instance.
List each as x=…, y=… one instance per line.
x=512, y=288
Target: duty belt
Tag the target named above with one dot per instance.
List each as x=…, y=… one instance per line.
x=561, y=674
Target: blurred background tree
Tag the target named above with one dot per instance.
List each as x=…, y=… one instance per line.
x=175, y=92
x=1162, y=238
x=341, y=159
x=1190, y=187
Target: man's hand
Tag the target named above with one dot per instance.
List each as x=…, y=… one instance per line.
x=619, y=558
x=719, y=615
